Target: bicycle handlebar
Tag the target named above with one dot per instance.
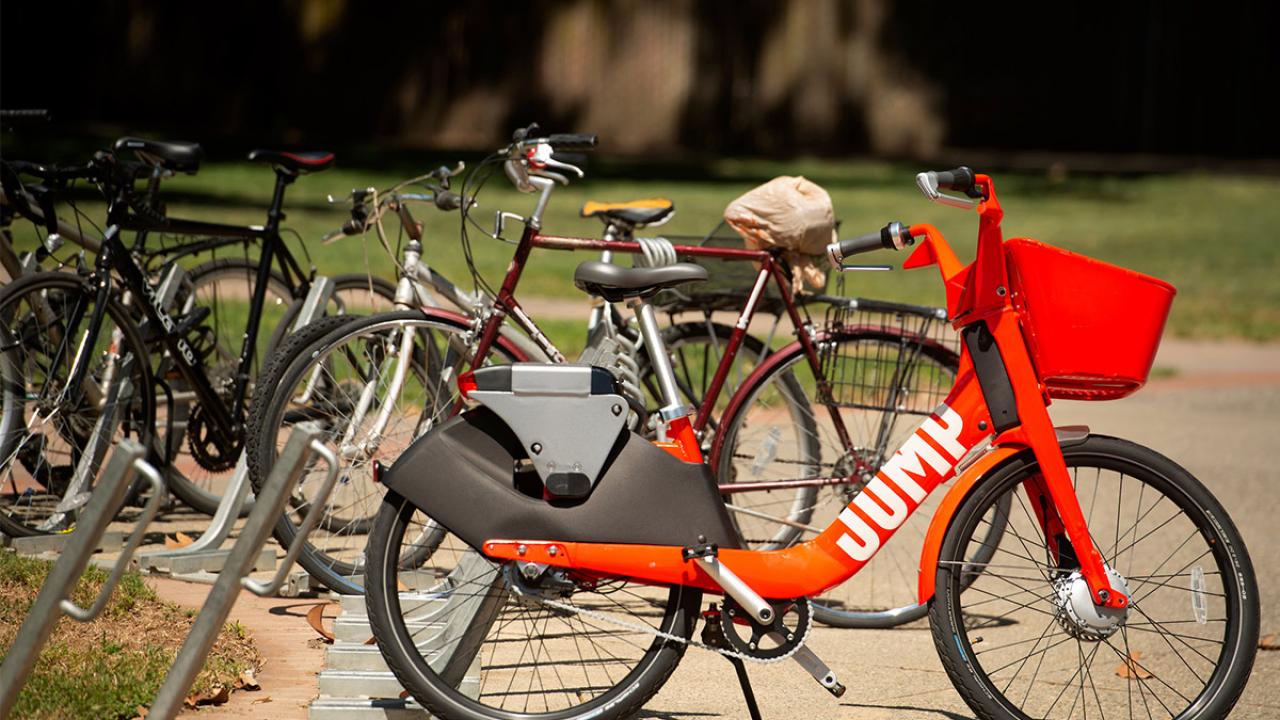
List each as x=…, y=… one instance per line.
x=894, y=236
x=961, y=179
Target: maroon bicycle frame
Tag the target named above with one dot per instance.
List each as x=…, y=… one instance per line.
x=770, y=266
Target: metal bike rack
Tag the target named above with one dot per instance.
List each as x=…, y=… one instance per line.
x=303, y=444
x=53, y=600
x=206, y=553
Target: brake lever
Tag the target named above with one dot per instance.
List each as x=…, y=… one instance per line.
x=928, y=184
x=551, y=175
x=443, y=173
x=553, y=163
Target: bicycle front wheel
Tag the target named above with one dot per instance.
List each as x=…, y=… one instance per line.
x=1019, y=636
x=56, y=432
x=783, y=429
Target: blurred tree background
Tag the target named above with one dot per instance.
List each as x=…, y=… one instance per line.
x=1137, y=132
x=676, y=78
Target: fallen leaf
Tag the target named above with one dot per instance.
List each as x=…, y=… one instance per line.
x=371, y=641
x=1269, y=642
x=1131, y=668
x=216, y=696
x=246, y=681
x=142, y=712
x=259, y=701
x=315, y=618
x=404, y=694
x=179, y=540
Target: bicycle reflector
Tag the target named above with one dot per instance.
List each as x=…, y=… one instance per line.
x=467, y=384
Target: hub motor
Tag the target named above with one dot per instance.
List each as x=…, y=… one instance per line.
x=1077, y=613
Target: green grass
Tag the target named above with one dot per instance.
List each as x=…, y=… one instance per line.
x=110, y=667
x=1210, y=235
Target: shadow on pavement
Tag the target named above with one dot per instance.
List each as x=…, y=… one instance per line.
x=917, y=711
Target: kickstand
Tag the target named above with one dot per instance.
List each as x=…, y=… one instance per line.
x=747, y=694
x=713, y=636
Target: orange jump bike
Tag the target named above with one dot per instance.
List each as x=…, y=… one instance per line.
x=1067, y=574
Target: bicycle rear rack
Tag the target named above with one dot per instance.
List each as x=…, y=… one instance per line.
x=53, y=600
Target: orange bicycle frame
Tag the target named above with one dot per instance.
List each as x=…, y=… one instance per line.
x=962, y=433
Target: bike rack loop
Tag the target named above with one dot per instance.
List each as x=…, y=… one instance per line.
x=303, y=443
x=237, y=491
x=53, y=599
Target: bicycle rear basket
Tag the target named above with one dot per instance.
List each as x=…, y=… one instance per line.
x=1092, y=328
x=902, y=361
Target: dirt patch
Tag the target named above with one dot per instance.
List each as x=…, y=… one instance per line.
x=111, y=667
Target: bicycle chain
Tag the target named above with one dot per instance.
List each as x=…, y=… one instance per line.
x=674, y=638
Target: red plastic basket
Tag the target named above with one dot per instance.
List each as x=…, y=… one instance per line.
x=1092, y=328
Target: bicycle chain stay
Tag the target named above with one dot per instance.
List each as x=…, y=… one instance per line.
x=674, y=638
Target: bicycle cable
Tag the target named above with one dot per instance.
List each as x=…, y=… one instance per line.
x=475, y=181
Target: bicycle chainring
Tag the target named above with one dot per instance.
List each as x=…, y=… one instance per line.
x=766, y=642
x=204, y=446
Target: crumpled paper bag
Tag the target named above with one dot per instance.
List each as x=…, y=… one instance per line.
x=792, y=213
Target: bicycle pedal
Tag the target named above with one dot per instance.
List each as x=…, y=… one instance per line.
x=818, y=669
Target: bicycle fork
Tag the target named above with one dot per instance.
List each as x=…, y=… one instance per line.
x=1019, y=413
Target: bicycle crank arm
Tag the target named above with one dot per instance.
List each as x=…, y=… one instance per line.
x=813, y=665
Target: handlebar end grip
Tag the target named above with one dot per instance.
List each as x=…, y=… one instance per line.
x=962, y=179
x=573, y=141
x=448, y=201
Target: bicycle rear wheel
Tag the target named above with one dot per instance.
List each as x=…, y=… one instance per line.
x=1019, y=635
x=782, y=429
x=56, y=436
x=475, y=640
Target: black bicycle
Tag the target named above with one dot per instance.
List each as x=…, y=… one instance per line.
x=76, y=347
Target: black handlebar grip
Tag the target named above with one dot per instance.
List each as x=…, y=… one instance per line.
x=961, y=179
x=864, y=243
x=573, y=141
x=893, y=236
x=446, y=200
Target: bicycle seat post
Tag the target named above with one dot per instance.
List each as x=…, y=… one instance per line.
x=275, y=213
x=672, y=407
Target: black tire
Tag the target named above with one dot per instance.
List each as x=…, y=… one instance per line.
x=354, y=294
x=35, y=455
x=556, y=639
x=335, y=561
x=1179, y=507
